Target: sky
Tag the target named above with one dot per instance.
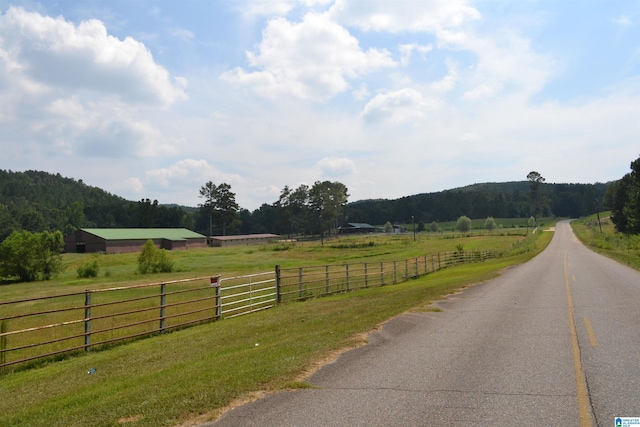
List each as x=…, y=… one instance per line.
x=153, y=99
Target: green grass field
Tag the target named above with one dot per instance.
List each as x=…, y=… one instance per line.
x=190, y=374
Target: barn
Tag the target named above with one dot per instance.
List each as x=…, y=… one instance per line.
x=246, y=239
x=122, y=240
x=356, y=228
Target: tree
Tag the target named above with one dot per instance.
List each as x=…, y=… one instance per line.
x=75, y=217
x=623, y=198
x=490, y=224
x=328, y=200
x=434, y=226
x=220, y=204
x=535, y=179
x=464, y=224
x=388, y=228
x=31, y=256
x=421, y=226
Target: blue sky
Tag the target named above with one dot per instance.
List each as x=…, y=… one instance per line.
x=152, y=99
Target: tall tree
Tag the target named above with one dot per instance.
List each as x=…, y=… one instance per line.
x=535, y=179
x=220, y=204
x=328, y=200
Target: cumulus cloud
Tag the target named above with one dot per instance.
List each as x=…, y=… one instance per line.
x=397, y=107
x=336, y=166
x=312, y=59
x=46, y=53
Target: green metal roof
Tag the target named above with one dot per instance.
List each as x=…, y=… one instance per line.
x=143, y=233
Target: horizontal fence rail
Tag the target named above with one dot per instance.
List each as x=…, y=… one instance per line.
x=59, y=325
x=301, y=283
x=93, y=319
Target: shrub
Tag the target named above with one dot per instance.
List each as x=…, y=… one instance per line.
x=464, y=224
x=90, y=269
x=154, y=260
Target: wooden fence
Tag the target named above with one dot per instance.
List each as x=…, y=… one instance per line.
x=58, y=325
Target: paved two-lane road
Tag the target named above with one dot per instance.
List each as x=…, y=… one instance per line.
x=554, y=342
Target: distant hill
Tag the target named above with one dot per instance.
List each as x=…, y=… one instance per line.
x=499, y=200
x=37, y=201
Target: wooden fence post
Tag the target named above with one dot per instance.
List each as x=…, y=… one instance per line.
x=163, y=304
x=87, y=320
x=381, y=274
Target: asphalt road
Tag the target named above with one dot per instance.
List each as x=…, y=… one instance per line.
x=554, y=342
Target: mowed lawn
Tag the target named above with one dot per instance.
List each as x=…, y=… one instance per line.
x=192, y=374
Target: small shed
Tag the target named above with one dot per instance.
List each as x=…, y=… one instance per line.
x=246, y=239
x=122, y=240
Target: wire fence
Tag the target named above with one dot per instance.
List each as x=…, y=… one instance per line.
x=57, y=326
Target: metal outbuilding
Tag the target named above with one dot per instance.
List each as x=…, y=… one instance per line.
x=122, y=240
x=246, y=239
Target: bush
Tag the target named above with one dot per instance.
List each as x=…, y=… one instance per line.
x=89, y=269
x=464, y=224
x=154, y=260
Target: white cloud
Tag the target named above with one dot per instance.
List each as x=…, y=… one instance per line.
x=397, y=107
x=485, y=90
x=449, y=81
x=191, y=171
x=336, y=166
x=274, y=7
x=401, y=16
x=312, y=59
x=54, y=53
x=130, y=185
x=407, y=51
x=182, y=34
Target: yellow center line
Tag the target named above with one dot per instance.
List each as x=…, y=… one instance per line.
x=584, y=412
x=592, y=336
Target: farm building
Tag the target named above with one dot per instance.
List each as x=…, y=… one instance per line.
x=356, y=228
x=121, y=240
x=247, y=239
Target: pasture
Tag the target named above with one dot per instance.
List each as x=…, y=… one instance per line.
x=172, y=378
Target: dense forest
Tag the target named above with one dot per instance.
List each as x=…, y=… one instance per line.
x=39, y=201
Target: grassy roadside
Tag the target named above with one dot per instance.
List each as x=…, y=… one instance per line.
x=194, y=373
x=620, y=247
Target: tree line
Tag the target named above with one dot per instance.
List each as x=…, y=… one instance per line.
x=38, y=201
